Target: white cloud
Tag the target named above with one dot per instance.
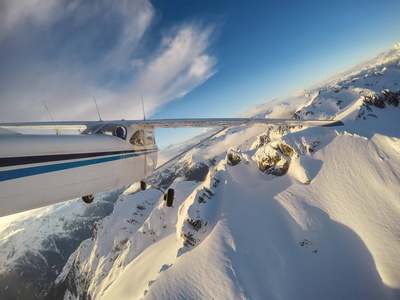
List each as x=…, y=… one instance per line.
x=67, y=76
x=30, y=13
x=181, y=65
x=201, y=65
x=135, y=25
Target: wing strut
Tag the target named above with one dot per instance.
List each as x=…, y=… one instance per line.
x=187, y=150
x=169, y=195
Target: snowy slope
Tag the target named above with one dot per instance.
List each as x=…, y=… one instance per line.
x=35, y=245
x=283, y=213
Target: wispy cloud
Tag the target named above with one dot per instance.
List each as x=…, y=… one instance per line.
x=66, y=52
x=17, y=14
x=181, y=65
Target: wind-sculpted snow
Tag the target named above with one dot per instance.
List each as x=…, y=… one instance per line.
x=358, y=186
x=200, y=213
x=258, y=250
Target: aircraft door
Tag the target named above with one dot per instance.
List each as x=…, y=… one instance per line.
x=135, y=169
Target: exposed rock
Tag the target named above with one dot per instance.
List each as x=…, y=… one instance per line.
x=312, y=147
x=188, y=238
x=274, y=166
x=379, y=101
x=195, y=172
x=232, y=158
x=262, y=140
x=207, y=194
x=285, y=149
x=268, y=162
x=196, y=224
x=271, y=134
x=187, y=169
x=392, y=98
x=274, y=159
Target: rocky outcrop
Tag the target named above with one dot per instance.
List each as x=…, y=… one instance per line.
x=195, y=171
x=198, y=222
x=274, y=159
x=187, y=168
x=387, y=97
x=232, y=158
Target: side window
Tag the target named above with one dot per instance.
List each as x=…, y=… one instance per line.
x=120, y=132
x=149, y=137
x=137, y=138
x=109, y=129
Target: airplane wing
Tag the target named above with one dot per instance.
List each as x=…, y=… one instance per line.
x=50, y=125
x=234, y=122
x=177, y=123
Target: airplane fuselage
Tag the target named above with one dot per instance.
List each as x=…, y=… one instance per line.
x=39, y=170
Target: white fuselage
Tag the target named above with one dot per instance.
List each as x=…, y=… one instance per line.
x=39, y=170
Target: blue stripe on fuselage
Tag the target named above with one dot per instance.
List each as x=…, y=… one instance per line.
x=26, y=172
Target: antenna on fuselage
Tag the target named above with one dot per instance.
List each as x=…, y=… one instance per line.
x=144, y=115
x=44, y=103
x=98, y=112
x=51, y=117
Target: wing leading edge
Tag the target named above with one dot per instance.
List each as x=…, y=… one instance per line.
x=50, y=125
x=234, y=122
x=177, y=123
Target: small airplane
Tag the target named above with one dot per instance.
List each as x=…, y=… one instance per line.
x=37, y=170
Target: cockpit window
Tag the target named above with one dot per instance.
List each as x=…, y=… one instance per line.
x=149, y=137
x=109, y=129
x=120, y=132
x=137, y=138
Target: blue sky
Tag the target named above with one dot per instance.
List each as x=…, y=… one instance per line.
x=188, y=58
x=270, y=49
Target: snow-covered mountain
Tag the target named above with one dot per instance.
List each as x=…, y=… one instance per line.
x=282, y=213
x=264, y=213
x=35, y=245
